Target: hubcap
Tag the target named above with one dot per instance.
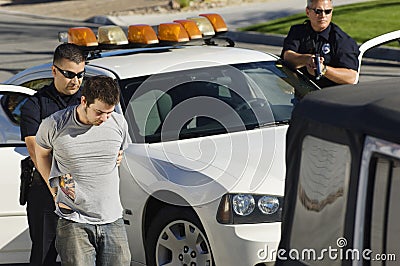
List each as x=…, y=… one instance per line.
x=183, y=243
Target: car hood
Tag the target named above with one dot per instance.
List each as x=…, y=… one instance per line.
x=203, y=169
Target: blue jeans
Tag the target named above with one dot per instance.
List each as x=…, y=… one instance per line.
x=80, y=244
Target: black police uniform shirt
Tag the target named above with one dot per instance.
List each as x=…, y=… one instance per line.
x=337, y=48
x=42, y=104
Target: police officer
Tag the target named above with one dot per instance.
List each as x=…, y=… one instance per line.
x=68, y=70
x=338, y=52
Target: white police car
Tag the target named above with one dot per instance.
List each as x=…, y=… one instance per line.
x=202, y=183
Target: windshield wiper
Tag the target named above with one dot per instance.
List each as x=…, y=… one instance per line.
x=274, y=123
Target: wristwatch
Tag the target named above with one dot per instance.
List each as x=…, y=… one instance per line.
x=323, y=71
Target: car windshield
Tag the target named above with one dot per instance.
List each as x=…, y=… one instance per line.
x=211, y=100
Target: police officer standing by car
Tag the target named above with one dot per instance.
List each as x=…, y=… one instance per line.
x=320, y=49
x=68, y=70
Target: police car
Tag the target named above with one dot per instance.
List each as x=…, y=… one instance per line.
x=202, y=182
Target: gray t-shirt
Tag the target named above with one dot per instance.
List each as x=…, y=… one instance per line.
x=87, y=155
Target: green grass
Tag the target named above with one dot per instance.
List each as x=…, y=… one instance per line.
x=362, y=21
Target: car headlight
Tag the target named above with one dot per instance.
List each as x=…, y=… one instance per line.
x=243, y=204
x=268, y=204
x=249, y=208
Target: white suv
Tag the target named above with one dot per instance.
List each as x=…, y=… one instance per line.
x=203, y=180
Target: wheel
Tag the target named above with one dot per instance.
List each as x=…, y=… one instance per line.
x=176, y=237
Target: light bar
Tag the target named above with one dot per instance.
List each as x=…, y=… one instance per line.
x=82, y=36
x=141, y=33
x=204, y=26
x=111, y=35
x=191, y=28
x=172, y=32
x=217, y=21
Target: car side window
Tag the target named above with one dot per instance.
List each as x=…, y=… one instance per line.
x=37, y=84
x=11, y=104
x=182, y=110
x=385, y=210
x=393, y=229
x=150, y=110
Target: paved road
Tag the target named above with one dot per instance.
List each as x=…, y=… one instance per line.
x=78, y=10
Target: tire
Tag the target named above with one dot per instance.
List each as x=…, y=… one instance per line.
x=176, y=237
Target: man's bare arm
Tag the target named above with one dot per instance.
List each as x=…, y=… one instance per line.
x=119, y=158
x=30, y=145
x=43, y=160
x=297, y=60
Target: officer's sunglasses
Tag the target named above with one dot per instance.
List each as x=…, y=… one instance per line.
x=70, y=74
x=320, y=11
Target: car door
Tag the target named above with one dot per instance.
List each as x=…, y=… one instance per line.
x=14, y=235
x=375, y=42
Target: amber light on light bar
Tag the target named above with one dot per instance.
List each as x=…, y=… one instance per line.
x=200, y=29
x=82, y=36
x=172, y=32
x=217, y=22
x=191, y=28
x=111, y=35
x=204, y=26
x=142, y=33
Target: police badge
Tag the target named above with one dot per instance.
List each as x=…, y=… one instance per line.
x=326, y=48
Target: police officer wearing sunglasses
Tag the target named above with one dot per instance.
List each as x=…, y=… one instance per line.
x=319, y=38
x=68, y=70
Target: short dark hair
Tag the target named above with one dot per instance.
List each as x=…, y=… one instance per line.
x=102, y=88
x=309, y=2
x=68, y=51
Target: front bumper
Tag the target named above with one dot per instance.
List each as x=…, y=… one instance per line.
x=245, y=244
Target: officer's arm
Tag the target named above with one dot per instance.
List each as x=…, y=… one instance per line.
x=341, y=75
x=43, y=159
x=30, y=121
x=297, y=60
